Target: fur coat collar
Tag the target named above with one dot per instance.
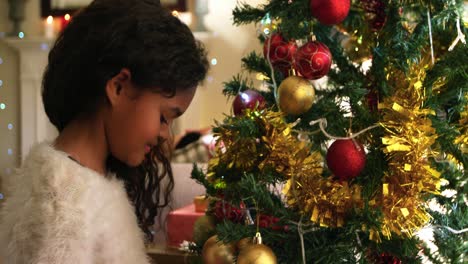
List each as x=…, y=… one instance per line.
x=57, y=211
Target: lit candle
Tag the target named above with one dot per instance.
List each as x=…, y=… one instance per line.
x=49, y=27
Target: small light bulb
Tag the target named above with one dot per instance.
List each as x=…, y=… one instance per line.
x=44, y=46
x=67, y=17
x=50, y=20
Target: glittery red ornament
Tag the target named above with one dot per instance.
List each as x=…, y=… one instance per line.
x=388, y=259
x=346, y=158
x=313, y=60
x=330, y=12
x=383, y=258
x=247, y=99
x=224, y=210
x=280, y=52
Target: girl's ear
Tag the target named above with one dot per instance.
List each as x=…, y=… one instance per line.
x=116, y=85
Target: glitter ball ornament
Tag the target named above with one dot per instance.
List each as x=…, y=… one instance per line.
x=346, y=158
x=280, y=52
x=330, y=12
x=248, y=99
x=295, y=95
x=215, y=252
x=313, y=60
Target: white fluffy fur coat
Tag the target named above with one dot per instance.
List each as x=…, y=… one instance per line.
x=58, y=212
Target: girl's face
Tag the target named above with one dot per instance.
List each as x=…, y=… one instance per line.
x=137, y=117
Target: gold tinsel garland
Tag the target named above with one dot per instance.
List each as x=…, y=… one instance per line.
x=408, y=140
x=277, y=148
x=326, y=202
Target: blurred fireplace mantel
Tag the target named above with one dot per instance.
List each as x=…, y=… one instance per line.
x=34, y=123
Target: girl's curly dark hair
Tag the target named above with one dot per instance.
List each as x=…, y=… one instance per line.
x=100, y=40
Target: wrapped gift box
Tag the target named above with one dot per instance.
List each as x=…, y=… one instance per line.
x=180, y=225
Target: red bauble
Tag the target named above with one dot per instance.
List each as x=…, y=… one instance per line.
x=313, y=60
x=248, y=99
x=330, y=12
x=224, y=210
x=280, y=53
x=346, y=158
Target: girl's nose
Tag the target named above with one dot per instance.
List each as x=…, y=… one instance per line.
x=165, y=130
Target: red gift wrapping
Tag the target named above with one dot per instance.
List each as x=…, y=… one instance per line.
x=180, y=225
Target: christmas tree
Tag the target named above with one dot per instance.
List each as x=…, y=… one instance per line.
x=355, y=144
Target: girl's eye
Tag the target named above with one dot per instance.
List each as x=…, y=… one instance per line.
x=163, y=120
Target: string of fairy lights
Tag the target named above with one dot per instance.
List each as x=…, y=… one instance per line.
x=5, y=106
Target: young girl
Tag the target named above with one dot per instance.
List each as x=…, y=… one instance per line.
x=117, y=77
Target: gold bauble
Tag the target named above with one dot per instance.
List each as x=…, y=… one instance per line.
x=244, y=242
x=204, y=228
x=256, y=254
x=215, y=252
x=295, y=95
